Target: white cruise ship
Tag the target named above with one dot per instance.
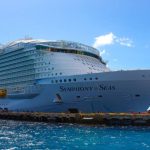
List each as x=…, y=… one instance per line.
x=62, y=76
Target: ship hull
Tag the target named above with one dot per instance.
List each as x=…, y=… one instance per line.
x=121, y=91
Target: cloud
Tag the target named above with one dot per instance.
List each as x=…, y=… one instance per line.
x=125, y=42
x=102, y=52
x=104, y=40
x=110, y=38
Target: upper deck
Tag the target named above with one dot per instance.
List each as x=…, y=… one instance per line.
x=60, y=44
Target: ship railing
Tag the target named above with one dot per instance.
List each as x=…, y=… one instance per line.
x=73, y=45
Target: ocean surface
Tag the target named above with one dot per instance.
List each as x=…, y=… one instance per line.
x=16, y=135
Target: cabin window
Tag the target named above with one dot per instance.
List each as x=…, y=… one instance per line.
x=137, y=95
x=100, y=96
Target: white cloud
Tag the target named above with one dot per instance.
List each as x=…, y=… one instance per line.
x=104, y=40
x=110, y=38
x=125, y=42
x=102, y=52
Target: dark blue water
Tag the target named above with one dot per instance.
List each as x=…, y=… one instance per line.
x=28, y=135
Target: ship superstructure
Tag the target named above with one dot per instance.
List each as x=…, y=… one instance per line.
x=25, y=62
x=54, y=76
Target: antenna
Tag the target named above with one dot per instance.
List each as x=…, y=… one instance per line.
x=27, y=37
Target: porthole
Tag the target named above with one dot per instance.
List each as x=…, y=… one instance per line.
x=56, y=81
x=69, y=80
x=96, y=78
x=100, y=96
x=84, y=78
x=60, y=80
x=137, y=95
x=90, y=78
x=65, y=80
x=78, y=96
x=74, y=80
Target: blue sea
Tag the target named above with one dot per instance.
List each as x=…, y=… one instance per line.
x=16, y=135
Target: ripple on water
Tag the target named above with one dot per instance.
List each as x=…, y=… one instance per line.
x=28, y=135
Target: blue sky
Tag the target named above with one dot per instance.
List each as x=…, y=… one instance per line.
x=120, y=29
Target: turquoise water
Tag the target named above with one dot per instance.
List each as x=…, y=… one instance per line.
x=28, y=135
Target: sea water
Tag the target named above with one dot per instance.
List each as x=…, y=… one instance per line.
x=16, y=135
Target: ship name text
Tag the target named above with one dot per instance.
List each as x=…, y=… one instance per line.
x=100, y=87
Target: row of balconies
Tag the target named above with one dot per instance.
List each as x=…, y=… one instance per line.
x=16, y=61
x=23, y=66
x=15, y=52
x=14, y=56
x=22, y=83
x=17, y=74
x=18, y=79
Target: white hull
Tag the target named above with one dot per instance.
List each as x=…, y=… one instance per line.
x=121, y=91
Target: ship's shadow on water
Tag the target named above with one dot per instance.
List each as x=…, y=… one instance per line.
x=28, y=135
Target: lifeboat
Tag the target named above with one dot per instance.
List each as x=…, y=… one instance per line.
x=3, y=92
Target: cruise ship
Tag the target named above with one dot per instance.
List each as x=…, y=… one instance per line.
x=64, y=76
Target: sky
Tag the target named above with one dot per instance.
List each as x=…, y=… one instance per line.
x=119, y=29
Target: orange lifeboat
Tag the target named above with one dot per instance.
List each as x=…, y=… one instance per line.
x=3, y=92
